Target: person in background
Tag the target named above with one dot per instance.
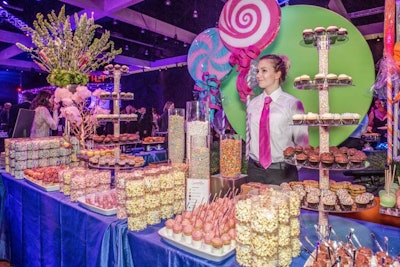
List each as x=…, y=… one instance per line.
x=271, y=72
x=130, y=126
x=163, y=120
x=145, y=123
x=156, y=117
x=43, y=104
x=377, y=120
x=27, y=98
x=5, y=117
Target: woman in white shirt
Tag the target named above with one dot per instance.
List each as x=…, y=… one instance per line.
x=271, y=73
x=44, y=120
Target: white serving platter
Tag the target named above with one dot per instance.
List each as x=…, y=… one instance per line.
x=42, y=186
x=200, y=252
x=108, y=212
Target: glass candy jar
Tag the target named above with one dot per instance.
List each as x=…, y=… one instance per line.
x=176, y=135
x=230, y=159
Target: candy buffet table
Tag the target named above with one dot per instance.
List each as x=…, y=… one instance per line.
x=47, y=229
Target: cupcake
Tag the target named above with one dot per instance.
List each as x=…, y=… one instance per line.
x=169, y=224
x=308, y=36
x=326, y=118
x=289, y=152
x=347, y=118
x=331, y=78
x=312, y=200
x=337, y=119
x=298, y=149
x=329, y=202
x=331, y=31
x=305, y=79
x=226, y=242
x=319, y=78
x=356, y=161
x=342, y=34
x=297, y=82
x=319, y=31
x=344, y=79
x=356, y=118
x=313, y=160
x=197, y=237
x=327, y=159
x=361, y=201
x=342, y=161
x=187, y=233
x=301, y=158
x=298, y=119
x=346, y=201
x=312, y=118
x=177, y=231
x=216, y=244
x=207, y=243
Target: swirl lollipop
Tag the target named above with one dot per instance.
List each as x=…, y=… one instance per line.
x=248, y=22
x=208, y=54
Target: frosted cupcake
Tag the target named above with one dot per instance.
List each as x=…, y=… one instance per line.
x=177, y=231
x=187, y=233
x=197, y=238
x=347, y=118
x=312, y=118
x=216, y=244
x=319, y=78
x=226, y=242
x=298, y=119
x=169, y=225
x=207, y=243
x=326, y=118
x=337, y=119
x=308, y=36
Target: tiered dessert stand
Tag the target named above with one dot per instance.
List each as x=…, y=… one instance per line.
x=116, y=71
x=323, y=42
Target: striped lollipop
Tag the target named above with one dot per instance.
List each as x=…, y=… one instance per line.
x=208, y=54
x=248, y=22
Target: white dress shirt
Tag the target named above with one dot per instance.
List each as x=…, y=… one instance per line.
x=283, y=134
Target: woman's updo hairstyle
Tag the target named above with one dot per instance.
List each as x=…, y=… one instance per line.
x=281, y=63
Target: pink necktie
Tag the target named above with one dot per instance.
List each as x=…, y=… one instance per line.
x=265, y=146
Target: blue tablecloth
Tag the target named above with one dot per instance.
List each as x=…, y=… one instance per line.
x=47, y=229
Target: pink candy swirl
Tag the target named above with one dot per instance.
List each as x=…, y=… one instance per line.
x=248, y=22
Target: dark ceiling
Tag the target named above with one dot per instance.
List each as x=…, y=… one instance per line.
x=152, y=33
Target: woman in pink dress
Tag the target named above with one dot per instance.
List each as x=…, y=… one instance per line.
x=44, y=120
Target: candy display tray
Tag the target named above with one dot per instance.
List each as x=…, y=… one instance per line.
x=88, y=206
x=42, y=185
x=200, y=252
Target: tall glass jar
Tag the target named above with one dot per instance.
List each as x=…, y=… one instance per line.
x=199, y=160
x=230, y=159
x=176, y=135
x=197, y=121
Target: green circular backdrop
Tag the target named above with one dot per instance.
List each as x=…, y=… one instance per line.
x=352, y=57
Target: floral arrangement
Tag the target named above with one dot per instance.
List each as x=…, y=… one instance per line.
x=75, y=109
x=65, y=54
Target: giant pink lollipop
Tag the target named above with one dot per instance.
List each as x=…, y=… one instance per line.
x=208, y=54
x=249, y=22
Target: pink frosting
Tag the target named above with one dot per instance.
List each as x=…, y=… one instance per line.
x=170, y=223
x=188, y=229
x=197, y=235
x=177, y=228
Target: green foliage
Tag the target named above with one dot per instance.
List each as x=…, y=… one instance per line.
x=67, y=54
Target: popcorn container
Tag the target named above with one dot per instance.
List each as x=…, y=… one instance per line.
x=197, y=121
x=199, y=161
x=230, y=155
x=176, y=135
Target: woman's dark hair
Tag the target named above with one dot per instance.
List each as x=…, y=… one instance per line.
x=281, y=63
x=42, y=99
